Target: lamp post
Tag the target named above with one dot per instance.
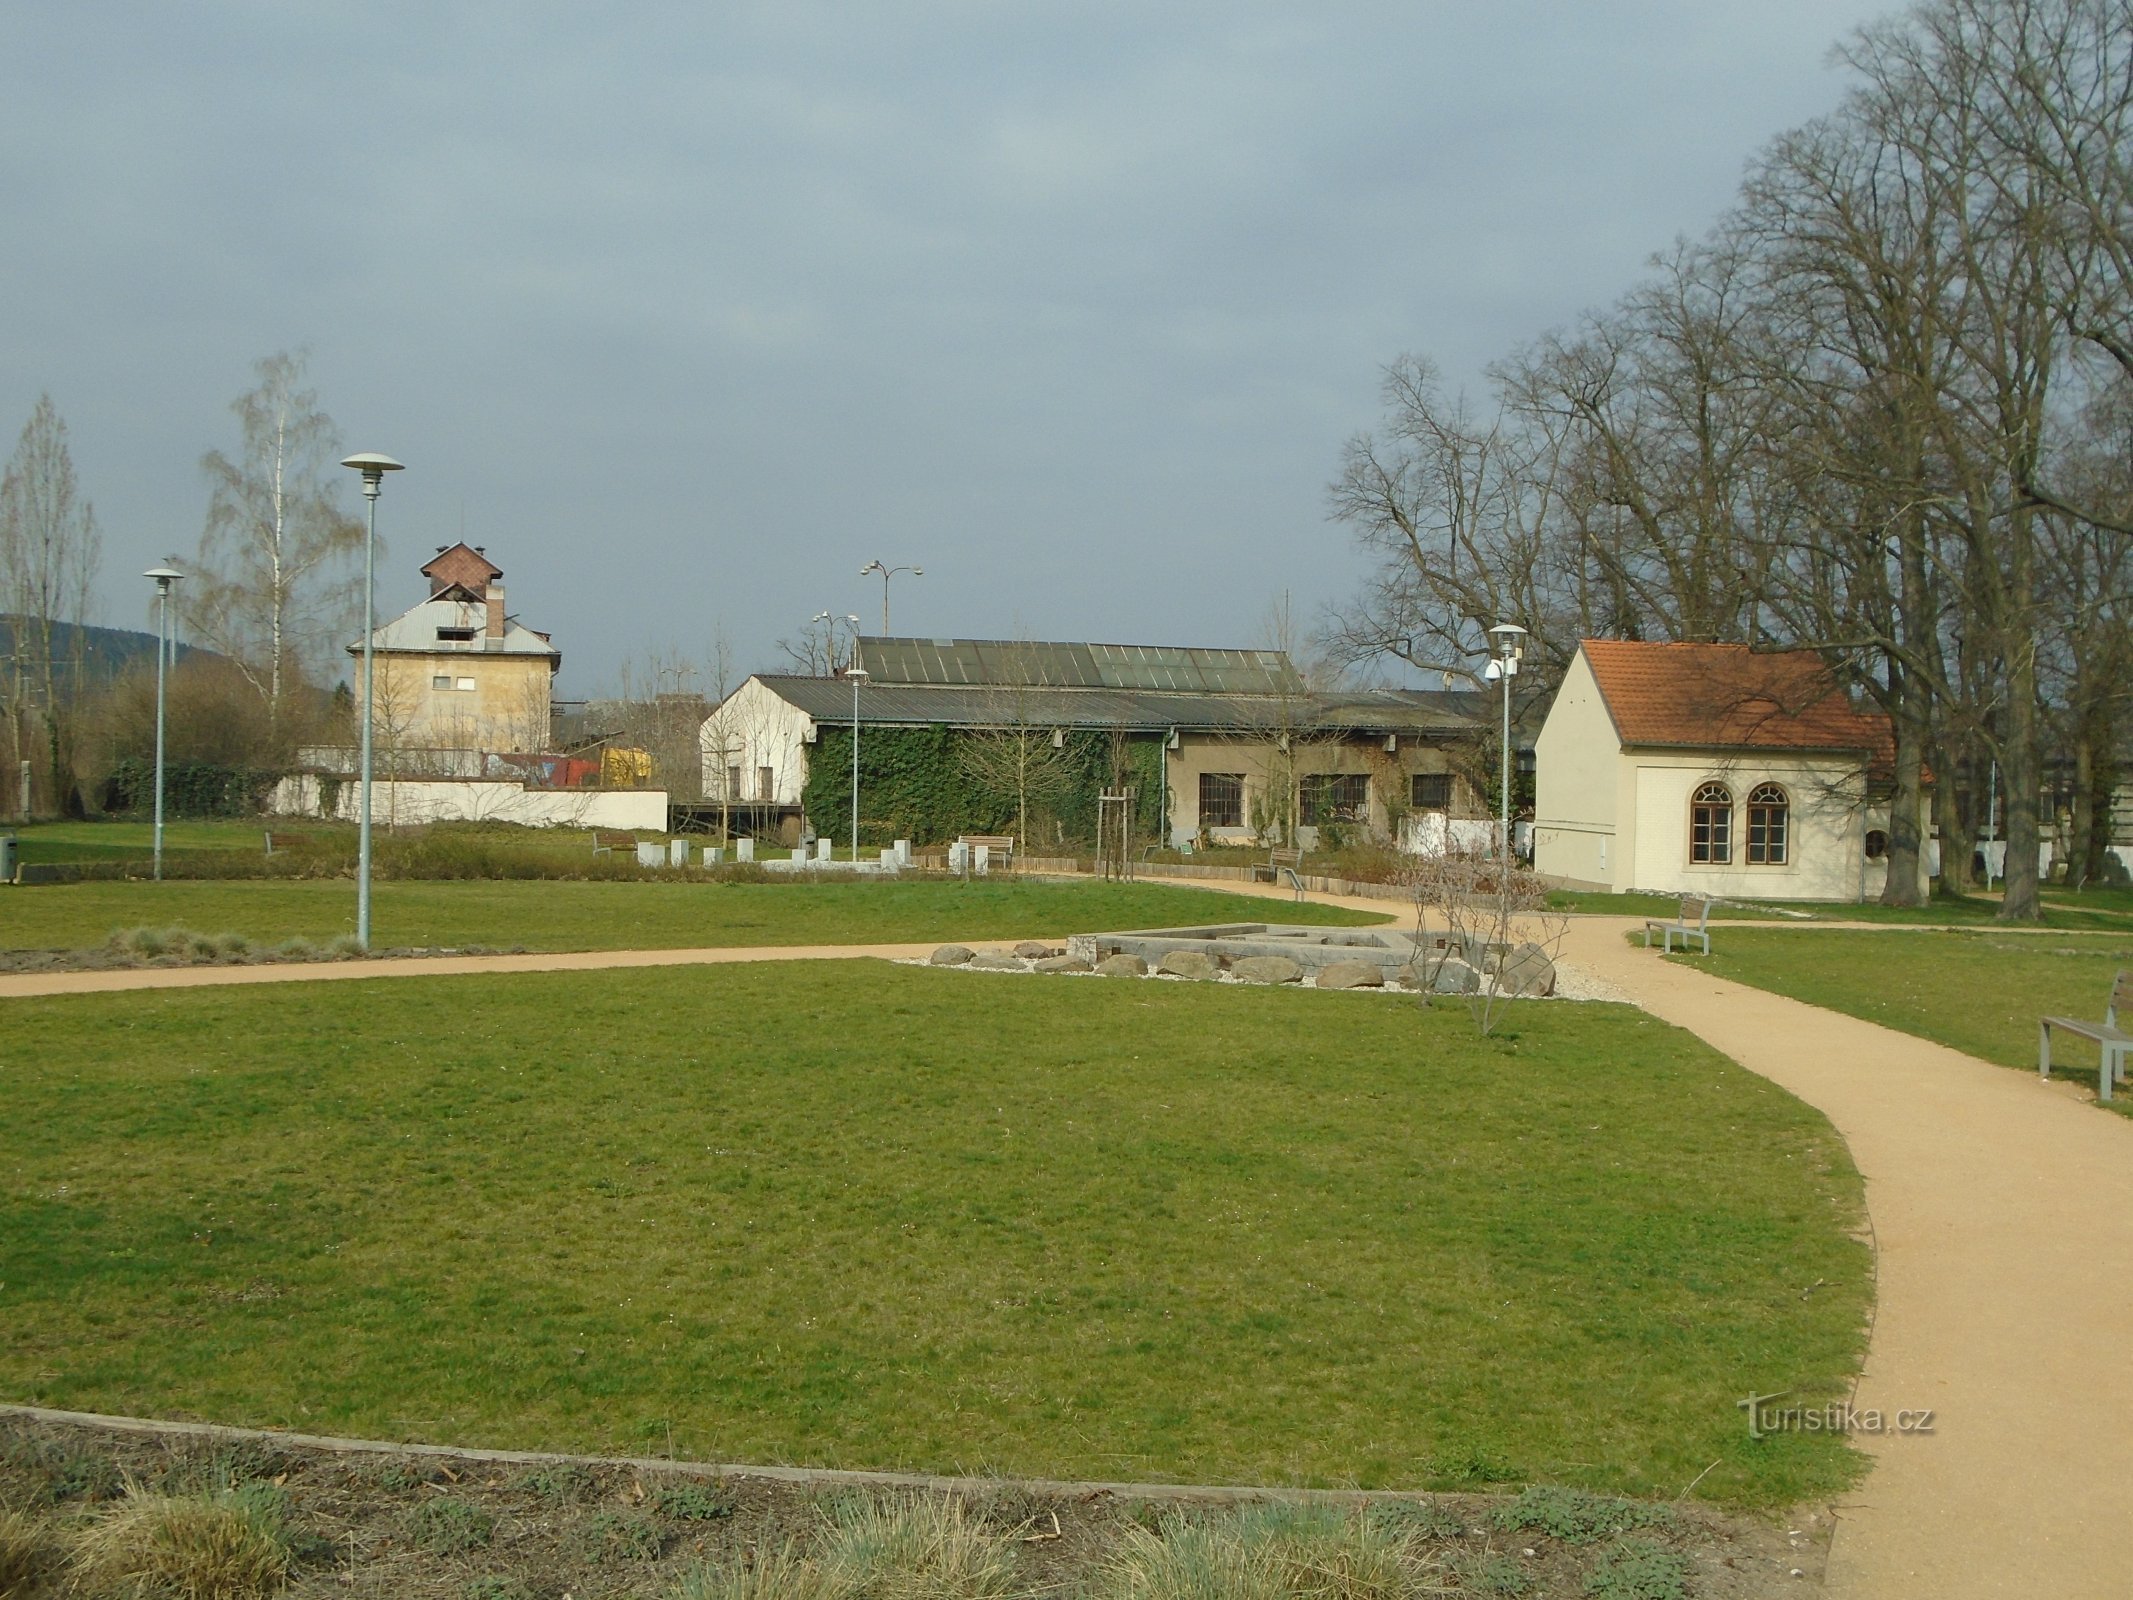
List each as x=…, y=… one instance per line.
x=886, y=574
x=373, y=467
x=164, y=578
x=858, y=675
x=1510, y=642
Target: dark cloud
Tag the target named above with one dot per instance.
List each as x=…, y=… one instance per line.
x=688, y=312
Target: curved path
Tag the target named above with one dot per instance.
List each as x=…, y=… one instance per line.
x=2002, y=1211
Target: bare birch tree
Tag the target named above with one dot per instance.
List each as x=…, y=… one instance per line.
x=49, y=554
x=274, y=583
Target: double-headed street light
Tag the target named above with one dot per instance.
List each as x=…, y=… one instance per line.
x=373, y=467
x=858, y=675
x=1510, y=642
x=886, y=574
x=164, y=578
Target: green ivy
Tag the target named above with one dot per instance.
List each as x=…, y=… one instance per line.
x=190, y=789
x=913, y=785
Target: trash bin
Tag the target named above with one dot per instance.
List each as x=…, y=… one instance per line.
x=7, y=858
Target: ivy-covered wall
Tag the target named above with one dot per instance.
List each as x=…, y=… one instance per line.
x=914, y=785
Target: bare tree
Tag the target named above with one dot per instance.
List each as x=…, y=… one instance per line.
x=274, y=583
x=1017, y=756
x=49, y=554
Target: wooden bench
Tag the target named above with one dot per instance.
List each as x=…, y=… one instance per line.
x=1693, y=922
x=608, y=840
x=1000, y=849
x=2112, y=1042
x=285, y=841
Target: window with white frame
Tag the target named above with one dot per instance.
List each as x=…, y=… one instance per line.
x=1769, y=822
x=1711, y=825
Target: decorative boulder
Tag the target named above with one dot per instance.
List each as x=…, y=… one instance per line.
x=1122, y=965
x=1526, y=971
x=1266, y=969
x=950, y=955
x=995, y=961
x=1062, y=964
x=1351, y=975
x=1450, y=975
x=1033, y=950
x=1189, y=964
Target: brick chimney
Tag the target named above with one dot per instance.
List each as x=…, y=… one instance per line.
x=495, y=599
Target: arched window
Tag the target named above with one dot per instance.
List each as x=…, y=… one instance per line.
x=1711, y=825
x=1769, y=816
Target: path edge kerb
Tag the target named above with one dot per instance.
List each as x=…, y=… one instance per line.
x=825, y=1477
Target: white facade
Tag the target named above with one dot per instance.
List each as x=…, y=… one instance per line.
x=1622, y=818
x=408, y=802
x=764, y=738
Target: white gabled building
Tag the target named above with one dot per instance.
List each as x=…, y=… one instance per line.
x=1709, y=769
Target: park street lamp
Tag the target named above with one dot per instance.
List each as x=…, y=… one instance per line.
x=373, y=467
x=1510, y=642
x=886, y=574
x=164, y=578
x=859, y=676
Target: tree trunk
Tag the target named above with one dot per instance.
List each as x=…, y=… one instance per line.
x=2081, y=834
x=2019, y=772
x=1957, y=838
x=1902, y=887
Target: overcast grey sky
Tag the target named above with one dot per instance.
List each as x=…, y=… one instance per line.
x=687, y=312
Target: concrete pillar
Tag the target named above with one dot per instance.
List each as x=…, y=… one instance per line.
x=744, y=849
x=677, y=852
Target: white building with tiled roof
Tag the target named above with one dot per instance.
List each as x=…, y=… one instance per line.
x=1710, y=770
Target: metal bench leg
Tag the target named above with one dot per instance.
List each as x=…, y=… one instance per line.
x=2109, y=1070
x=2044, y=1051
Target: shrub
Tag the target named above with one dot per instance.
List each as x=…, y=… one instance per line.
x=447, y=1527
x=1418, y=1519
x=925, y=1547
x=780, y=1574
x=64, y=1470
x=693, y=1500
x=609, y=1536
x=1269, y=1552
x=185, y=1547
x=1638, y=1569
x=28, y=1557
x=1488, y=1572
x=1577, y=1517
x=559, y=1482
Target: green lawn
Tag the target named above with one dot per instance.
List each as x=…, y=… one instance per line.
x=1979, y=991
x=2101, y=910
x=869, y=1216
x=561, y=915
x=43, y=842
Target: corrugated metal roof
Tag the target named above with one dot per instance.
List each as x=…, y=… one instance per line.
x=1145, y=710
x=1053, y=664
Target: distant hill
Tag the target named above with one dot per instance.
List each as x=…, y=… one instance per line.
x=107, y=653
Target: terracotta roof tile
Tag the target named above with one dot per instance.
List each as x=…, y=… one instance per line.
x=1726, y=696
